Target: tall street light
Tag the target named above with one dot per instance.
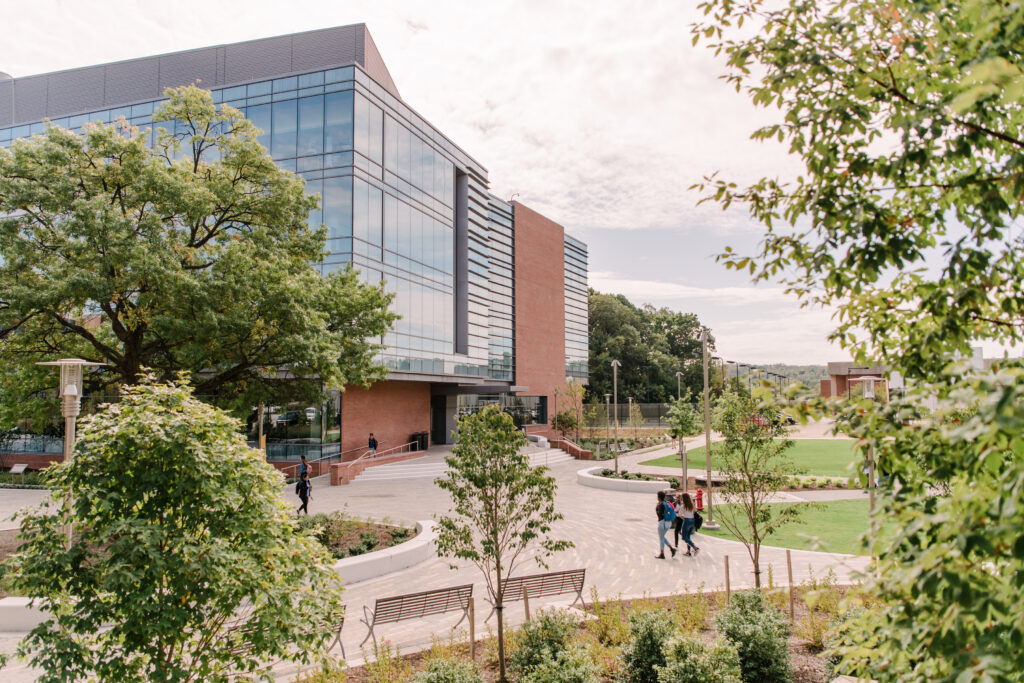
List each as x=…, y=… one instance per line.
x=615, y=392
x=679, y=386
x=704, y=334
x=70, y=391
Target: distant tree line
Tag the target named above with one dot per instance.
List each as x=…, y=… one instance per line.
x=653, y=344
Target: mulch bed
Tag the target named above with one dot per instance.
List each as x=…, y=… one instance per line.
x=807, y=665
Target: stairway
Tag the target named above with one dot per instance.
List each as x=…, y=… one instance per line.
x=415, y=469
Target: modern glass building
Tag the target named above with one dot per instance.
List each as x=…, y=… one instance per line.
x=492, y=296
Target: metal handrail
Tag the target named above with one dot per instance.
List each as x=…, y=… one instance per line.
x=377, y=454
x=339, y=455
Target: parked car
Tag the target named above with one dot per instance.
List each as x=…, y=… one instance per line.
x=290, y=417
x=310, y=414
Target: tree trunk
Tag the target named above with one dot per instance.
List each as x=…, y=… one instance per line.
x=499, y=608
x=757, y=567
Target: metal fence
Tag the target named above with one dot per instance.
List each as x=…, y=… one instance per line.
x=651, y=415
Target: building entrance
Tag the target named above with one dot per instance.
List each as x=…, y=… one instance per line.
x=438, y=420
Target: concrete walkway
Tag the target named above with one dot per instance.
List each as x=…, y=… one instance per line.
x=615, y=539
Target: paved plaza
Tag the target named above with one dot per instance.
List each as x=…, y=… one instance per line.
x=614, y=534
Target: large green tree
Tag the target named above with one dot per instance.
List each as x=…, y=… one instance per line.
x=906, y=116
x=651, y=343
x=179, y=533
x=189, y=254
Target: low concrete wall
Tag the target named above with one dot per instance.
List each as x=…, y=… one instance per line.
x=16, y=616
x=401, y=556
x=588, y=477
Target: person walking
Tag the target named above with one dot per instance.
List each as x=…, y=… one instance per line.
x=304, y=487
x=304, y=468
x=686, y=511
x=666, y=514
x=372, y=444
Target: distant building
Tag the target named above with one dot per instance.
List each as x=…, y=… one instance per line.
x=493, y=295
x=846, y=378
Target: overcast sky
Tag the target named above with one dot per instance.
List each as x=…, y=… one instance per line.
x=598, y=114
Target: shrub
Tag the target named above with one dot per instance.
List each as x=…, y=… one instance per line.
x=821, y=595
x=387, y=665
x=610, y=626
x=449, y=670
x=548, y=634
x=760, y=634
x=690, y=612
x=691, y=660
x=572, y=665
x=648, y=630
x=673, y=482
x=812, y=630
x=838, y=635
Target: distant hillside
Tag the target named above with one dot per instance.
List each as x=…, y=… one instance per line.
x=806, y=374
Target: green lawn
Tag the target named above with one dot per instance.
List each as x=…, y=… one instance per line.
x=831, y=527
x=820, y=457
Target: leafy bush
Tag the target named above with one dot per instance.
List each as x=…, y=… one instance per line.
x=610, y=626
x=548, y=634
x=387, y=665
x=449, y=670
x=572, y=665
x=812, y=629
x=648, y=630
x=691, y=660
x=838, y=635
x=690, y=612
x=760, y=634
x=673, y=482
x=821, y=595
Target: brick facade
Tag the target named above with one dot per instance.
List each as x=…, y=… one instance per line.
x=391, y=410
x=540, y=306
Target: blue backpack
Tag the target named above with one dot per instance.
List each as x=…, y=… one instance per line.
x=670, y=512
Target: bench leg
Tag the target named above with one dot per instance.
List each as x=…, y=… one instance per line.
x=368, y=635
x=465, y=615
x=369, y=620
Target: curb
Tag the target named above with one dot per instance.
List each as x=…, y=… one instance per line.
x=17, y=616
x=393, y=559
x=586, y=477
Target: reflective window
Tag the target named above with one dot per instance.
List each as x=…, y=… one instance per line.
x=311, y=126
x=369, y=129
x=285, y=127
x=338, y=121
x=260, y=117
x=337, y=206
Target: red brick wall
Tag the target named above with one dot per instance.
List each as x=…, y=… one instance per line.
x=33, y=460
x=391, y=410
x=540, y=306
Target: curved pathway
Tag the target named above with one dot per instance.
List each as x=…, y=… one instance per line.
x=615, y=540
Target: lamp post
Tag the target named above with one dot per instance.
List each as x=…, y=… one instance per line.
x=607, y=415
x=70, y=392
x=679, y=385
x=615, y=394
x=705, y=333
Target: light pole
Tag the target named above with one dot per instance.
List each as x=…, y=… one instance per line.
x=70, y=392
x=679, y=385
x=705, y=333
x=615, y=393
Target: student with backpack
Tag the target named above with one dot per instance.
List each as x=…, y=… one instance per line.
x=688, y=512
x=666, y=516
x=304, y=489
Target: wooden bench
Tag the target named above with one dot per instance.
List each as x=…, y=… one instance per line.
x=540, y=585
x=401, y=607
